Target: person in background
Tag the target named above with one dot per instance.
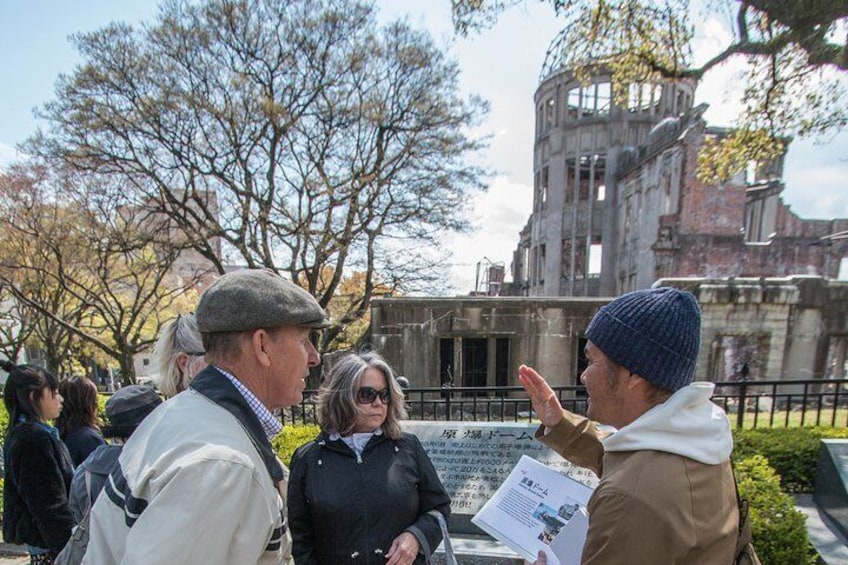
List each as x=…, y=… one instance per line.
x=364, y=491
x=666, y=494
x=37, y=464
x=178, y=355
x=198, y=481
x=79, y=424
x=125, y=410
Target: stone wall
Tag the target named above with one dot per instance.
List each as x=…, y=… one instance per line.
x=756, y=328
x=544, y=332
x=799, y=319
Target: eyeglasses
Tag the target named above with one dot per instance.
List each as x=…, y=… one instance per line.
x=367, y=395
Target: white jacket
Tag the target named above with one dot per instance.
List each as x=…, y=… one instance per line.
x=192, y=487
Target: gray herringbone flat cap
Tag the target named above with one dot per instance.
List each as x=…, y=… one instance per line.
x=256, y=298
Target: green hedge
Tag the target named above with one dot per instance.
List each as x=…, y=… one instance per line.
x=4, y=423
x=291, y=438
x=792, y=452
x=778, y=529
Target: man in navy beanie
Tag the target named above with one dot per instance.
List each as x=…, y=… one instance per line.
x=666, y=494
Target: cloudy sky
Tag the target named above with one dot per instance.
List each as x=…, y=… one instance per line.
x=502, y=65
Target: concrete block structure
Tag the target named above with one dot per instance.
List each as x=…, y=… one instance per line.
x=668, y=223
x=481, y=341
x=754, y=328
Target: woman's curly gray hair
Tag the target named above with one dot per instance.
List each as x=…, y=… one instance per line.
x=336, y=402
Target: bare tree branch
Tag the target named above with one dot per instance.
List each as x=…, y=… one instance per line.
x=297, y=137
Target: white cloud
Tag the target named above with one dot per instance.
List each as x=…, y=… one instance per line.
x=711, y=37
x=816, y=177
x=723, y=86
x=499, y=216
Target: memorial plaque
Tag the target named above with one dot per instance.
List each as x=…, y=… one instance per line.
x=831, y=491
x=474, y=458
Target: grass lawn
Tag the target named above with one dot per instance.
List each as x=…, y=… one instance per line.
x=792, y=418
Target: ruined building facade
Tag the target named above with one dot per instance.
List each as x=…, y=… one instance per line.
x=617, y=204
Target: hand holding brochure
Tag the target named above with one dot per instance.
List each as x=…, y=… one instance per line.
x=537, y=508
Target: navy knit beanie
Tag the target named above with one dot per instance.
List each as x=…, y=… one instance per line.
x=654, y=333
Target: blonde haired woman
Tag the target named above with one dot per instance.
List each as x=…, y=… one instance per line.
x=178, y=355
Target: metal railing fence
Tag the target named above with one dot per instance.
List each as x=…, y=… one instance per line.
x=749, y=404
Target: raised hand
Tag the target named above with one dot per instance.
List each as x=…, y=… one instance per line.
x=544, y=399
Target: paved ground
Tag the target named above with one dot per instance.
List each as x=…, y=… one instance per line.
x=831, y=545
x=824, y=534
x=12, y=554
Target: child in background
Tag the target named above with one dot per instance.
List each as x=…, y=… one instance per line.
x=79, y=425
x=37, y=464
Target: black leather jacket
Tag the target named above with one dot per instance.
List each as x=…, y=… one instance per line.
x=35, y=491
x=344, y=509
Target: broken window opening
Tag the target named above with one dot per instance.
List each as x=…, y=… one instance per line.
x=446, y=355
x=595, y=253
x=475, y=351
x=502, y=361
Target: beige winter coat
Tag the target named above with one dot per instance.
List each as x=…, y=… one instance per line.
x=657, y=506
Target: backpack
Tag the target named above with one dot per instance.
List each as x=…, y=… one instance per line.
x=74, y=550
x=745, y=554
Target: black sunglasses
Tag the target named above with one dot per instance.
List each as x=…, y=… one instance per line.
x=367, y=395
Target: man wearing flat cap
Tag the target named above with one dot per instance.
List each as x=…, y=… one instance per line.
x=198, y=481
x=666, y=494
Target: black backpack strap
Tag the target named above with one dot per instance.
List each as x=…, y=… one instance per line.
x=744, y=552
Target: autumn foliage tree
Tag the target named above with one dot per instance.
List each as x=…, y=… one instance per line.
x=92, y=278
x=327, y=140
x=795, y=53
x=16, y=325
x=346, y=308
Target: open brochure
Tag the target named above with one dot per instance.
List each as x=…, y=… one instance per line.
x=537, y=508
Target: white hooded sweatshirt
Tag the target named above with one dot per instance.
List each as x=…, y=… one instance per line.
x=686, y=424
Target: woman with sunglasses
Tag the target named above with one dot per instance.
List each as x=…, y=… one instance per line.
x=178, y=355
x=363, y=491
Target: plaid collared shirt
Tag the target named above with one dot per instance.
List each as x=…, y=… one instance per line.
x=270, y=425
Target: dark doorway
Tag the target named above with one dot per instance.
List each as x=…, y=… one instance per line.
x=739, y=357
x=446, y=368
x=474, y=359
x=502, y=361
